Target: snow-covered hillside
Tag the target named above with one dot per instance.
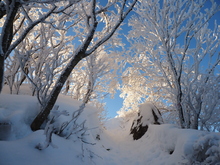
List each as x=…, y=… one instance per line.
x=110, y=144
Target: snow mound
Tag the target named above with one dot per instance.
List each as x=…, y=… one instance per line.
x=17, y=113
x=150, y=113
x=147, y=114
x=160, y=145
x=181, y=146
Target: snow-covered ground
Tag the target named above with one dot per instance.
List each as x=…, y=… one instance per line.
x=110, y=144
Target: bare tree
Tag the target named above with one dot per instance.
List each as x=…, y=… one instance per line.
x=92, y=24
x=39, y=57
x=91, y=14
x=171, y=38
x=16, y=12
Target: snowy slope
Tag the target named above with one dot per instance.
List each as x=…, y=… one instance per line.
x=112, y=145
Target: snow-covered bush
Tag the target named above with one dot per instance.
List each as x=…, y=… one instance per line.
x=207, y=149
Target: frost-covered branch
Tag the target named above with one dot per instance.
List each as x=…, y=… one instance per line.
x=118, y=23
x=171, y=43
x=27, y=30
x=88, y=44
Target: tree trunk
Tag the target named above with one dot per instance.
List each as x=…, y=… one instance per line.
x=195, y=123
x=67, y=87
x=7, y=36
x=2, y=10
x=180, y=110
x=78, y=56
x=45, y=110
x=82, y=53
x=2, y=61
x=89, y=92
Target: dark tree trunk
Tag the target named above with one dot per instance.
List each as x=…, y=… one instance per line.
x=179, y=102
x=180, y=111
x=45, y=110
x=67, y=86
x=7, y=35
x=89, y=92
x=195, y=123
x=41, y=117
x=2, y=59
x=2, y=10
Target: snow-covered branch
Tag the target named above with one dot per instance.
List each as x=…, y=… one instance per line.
x=171, y=44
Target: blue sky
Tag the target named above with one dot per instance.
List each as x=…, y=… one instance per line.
x=115, y=104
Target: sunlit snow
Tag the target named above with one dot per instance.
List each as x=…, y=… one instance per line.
x=108, y=144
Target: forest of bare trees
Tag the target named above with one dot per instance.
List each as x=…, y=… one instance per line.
x=75, y=47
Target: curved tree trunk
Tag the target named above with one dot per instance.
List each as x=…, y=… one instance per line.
x=77, y=56
x=45, y=110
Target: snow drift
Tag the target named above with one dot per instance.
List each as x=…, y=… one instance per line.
x=109, y=145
